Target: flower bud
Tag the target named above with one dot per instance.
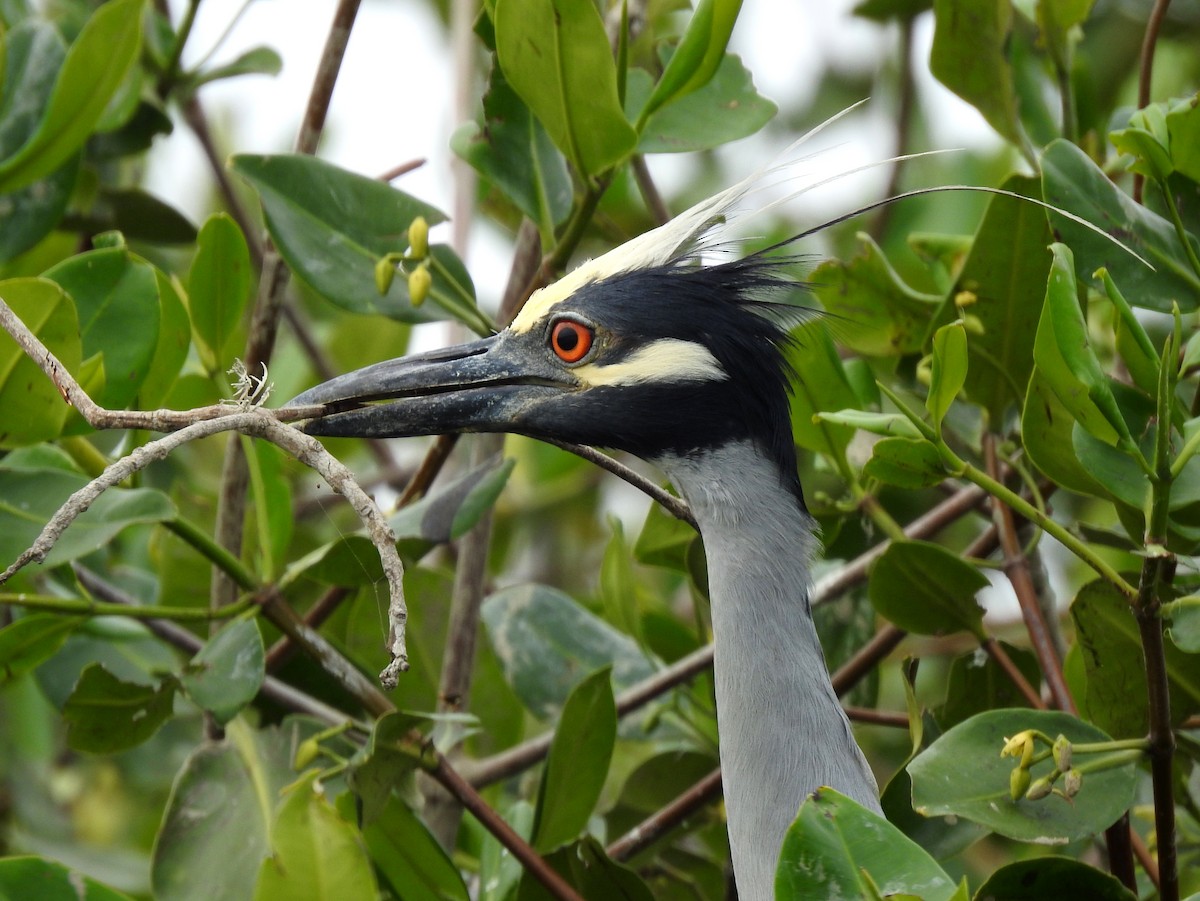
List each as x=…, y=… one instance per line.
x=418, y=238
x=419, y=282
x=1072, y=782
x=1018, y=782
x=1040, y=788
x=1062, y=753
x=385, y=271
x=306, y=753
x=1020, y=745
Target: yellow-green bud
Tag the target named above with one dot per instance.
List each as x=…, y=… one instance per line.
x=1018, y=782
x=1040, y=788
x=1062, y=753
x=1020, y=745
x=418, y=238
x=385, y=271
x=306, y=753
x=1072, y=782
x=419, y=282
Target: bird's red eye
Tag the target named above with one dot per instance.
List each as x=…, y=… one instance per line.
x=570, y=340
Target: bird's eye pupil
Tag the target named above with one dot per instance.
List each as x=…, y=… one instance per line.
x=570, y=341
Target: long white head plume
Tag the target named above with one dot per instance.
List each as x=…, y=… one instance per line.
x=691, y=231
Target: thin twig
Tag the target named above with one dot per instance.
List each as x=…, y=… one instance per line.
x=650, y=195
x=324, y=607
x=648, y=831
x=1146, y=71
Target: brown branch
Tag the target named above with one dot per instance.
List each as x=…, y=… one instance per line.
x=1146, y=71
x=651, y=829
x=650, y=195
x=996, y=651
x=326, y=605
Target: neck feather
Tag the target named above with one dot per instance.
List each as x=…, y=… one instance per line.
x=782, y=731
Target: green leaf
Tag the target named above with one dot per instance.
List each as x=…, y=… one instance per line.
x=1054, y=878
x=890, y=318
x=31, y=492
x=219, y=285
x=47, y=880
x=968, y=57
x=1182, y=614
x=95, y=67
x=577, y=763
x=226, y=674
x=332, y=226
x=272, y=508
x=499, y=872
x=1005, y=271
x=618, y=584
x=1183, y=129
x=664, y=540
x=547, y=644
x=512, y=151
x=839, y=849
x=556, y=55
x=105, y=714
x=34, y=56
x=455, y=509
x=379, y=768
x=174, y=341
x=1047, y=427
x=222, y=834
x=315, y=854
x=1071, y=180
x=823, y=388
x=905, y=463
x=586, y=865
x=962, y=774
x=1111, y=647
x=255, y=61
x=949, y=370
x=32, y=640
x=976, y=682
x=33, y=409
x=726, y=109
x=138, y=215
x=1066, y=360
x=409, y=858
x=926, y=589
x=700, y=52
x=116, y=298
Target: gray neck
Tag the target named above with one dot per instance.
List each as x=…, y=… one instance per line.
x=782, y=731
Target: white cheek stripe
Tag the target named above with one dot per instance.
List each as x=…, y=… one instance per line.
x=664, y=360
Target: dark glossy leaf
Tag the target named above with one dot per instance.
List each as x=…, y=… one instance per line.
x=34, y=55
x=905, y=462
x=724, y=110
x=116, y=298
x=382, y=765
x=885, y=10
x=1073, y=182
x=47, y=880
x=577, y=764
x=33, y=409
x=513, y=151
x=586, y=865
x=926, y=589
x=1047, y=427
x=839, y=849
x=453, y=510
x=968, y=57
x=942, y=836
x=409, y=858
x=331, y=227
x=664, y=540
x=140, y=217
x=556, y=56
x=962, y=774
x=1184, y=618
x=1111, y=647
x=889, y=317
x=976, y=682
x=272, y=503
x=1005, y=272
x=1053, y=879
x=94, y=68
x=227, y=672
x=219, y=285
x=315, y=854
x=31, y=491
x=547, y=644
x=32, y=640
x=105, y=714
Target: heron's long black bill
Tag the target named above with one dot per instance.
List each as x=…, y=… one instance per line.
x=482, y=386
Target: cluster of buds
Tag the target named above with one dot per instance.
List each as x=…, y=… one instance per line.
x=1021, y=783
x=420, y=280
